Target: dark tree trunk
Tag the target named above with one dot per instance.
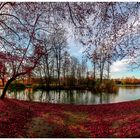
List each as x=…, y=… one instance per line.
x=47, y=77
x=94, y=71
x=108, y=71
x=64, y=77
x=6, y=87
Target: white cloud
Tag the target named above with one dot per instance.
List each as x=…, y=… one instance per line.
x=119, y=66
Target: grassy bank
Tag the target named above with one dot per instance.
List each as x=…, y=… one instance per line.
x=25, y=119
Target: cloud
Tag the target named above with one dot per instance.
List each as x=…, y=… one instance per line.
x=119, y=66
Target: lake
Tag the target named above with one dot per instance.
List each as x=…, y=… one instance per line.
x=78, y=97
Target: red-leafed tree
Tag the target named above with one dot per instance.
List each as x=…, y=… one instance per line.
x=21, y=49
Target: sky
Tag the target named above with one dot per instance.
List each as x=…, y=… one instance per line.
x=118, y=69
x=122, y=69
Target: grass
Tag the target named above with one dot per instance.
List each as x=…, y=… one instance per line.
x=38, y=120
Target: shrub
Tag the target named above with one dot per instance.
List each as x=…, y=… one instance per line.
x=16, y=87
x=110, y=86
x=106, y=86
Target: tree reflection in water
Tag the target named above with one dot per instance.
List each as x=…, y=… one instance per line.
x=62, y=96
x=76, y=97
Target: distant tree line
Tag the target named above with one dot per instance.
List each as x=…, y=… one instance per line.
x=128, y=81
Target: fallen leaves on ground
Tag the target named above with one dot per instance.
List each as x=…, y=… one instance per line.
x=36, y=120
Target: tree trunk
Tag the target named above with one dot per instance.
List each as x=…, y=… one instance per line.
x=102, y=70
x=94, y=71
x=108, y=71
x=48, y=74
x=59, y=82
x=64, y=78
x=6, y=87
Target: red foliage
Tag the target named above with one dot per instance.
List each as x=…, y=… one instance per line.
x=56, y=120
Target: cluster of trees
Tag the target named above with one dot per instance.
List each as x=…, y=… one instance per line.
x=58, y=68
x=128, y=80
x=33, y=37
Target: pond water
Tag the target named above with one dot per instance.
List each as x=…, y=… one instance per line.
x=78, y=97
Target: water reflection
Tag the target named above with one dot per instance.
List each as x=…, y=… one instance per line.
x=77, y=97
x=65, y=96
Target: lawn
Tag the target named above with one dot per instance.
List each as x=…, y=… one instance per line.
x=26, y=119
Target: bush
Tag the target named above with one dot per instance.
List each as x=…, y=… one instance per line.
x=16, y=87
x=106, y=86
x=110, y=86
